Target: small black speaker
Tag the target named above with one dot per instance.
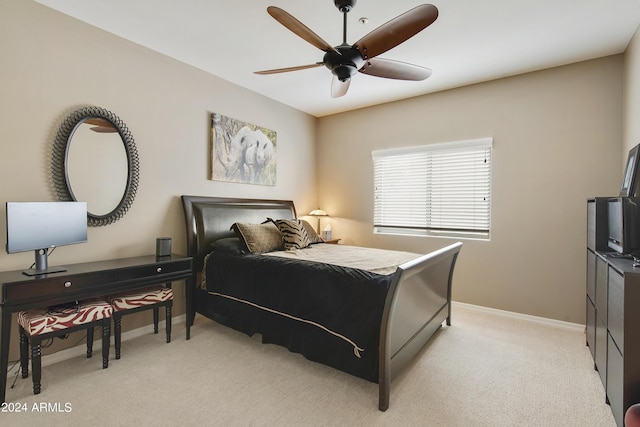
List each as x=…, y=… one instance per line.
x=163, y=246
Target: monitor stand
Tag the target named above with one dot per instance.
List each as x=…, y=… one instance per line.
x=41, y=266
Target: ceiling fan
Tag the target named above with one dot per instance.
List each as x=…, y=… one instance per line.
x=345, y=60
x=100, y=125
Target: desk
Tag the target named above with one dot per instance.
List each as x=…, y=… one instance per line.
x=83, y=281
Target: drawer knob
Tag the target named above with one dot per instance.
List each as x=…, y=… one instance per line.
x=67, y=284
x=159, y=269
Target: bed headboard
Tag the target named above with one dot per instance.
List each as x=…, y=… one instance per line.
x=208, y=219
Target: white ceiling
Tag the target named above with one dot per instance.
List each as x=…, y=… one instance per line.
x=471, y=41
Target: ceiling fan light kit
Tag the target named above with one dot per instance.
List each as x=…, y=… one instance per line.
x=344, y=5
x=345, y=60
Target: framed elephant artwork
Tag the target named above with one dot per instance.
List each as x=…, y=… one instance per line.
x=242, y=152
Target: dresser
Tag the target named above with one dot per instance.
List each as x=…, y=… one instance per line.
x=613, y=314
x=84, y=281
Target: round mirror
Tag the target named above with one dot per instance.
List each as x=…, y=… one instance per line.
x=95, y=161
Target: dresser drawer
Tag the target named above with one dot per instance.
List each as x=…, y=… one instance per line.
x=601, y=288
x=591, y=275
x=591, y=328
x=615, y=381
x=616, y=308
x=56, y=287
x=601, y=350
x=152, y=270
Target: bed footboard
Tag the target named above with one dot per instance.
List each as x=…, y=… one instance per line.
x=419, y=300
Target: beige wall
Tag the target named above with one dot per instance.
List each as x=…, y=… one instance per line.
x=557, y=140
x=51, y=64
x=631, y=117
x=556, y=137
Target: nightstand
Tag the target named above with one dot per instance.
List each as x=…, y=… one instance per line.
x=333, y=241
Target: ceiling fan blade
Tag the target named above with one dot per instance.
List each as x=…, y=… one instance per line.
x=285, y=70
x=339, y=88
x=103, y=129
x=96, y=121
x=299, y=28
x=390, y=69
x=396, y=31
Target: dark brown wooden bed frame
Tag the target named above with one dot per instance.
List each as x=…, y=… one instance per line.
x=417, y=303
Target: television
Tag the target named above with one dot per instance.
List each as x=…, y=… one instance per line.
x=40, y=226
x=624, y=230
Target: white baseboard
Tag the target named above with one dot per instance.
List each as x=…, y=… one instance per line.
x=514, y=315
x=81, y=350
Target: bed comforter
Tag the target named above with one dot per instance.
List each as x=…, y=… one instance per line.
x=328, y=311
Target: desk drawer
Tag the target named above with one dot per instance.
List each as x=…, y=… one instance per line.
x=48, y=288
x=158, y=269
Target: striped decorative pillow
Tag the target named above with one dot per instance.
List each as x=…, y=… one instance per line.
x=311, y=232
x=294, y=233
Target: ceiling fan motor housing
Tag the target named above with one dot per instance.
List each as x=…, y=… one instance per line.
x=344, y=5
x=344, y=63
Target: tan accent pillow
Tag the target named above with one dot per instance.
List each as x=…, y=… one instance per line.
x=259, y=238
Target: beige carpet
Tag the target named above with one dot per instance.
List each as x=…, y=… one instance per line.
x=487, y=369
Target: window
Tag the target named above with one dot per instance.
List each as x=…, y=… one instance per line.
x=435, y=190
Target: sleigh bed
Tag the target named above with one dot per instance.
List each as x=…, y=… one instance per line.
x=367, y=314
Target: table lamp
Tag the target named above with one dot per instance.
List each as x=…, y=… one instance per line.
x=318, y=213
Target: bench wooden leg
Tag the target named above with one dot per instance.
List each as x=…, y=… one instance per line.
x=156, y=316
x=168, y=320
x=36, y=363
x=89, y=342
x=24, y=353
x=106, y=333
x=117, y=330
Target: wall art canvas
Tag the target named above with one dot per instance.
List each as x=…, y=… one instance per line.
x=242, y=152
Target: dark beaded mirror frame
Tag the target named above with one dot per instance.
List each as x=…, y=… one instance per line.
x=60, y=157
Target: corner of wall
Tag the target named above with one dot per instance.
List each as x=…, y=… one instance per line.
x=631, y=96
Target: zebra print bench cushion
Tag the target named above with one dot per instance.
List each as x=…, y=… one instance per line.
x=295, y=233
x=40, y=321
x=141, y=298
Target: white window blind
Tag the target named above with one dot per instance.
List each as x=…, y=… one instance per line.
x=437, y=189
